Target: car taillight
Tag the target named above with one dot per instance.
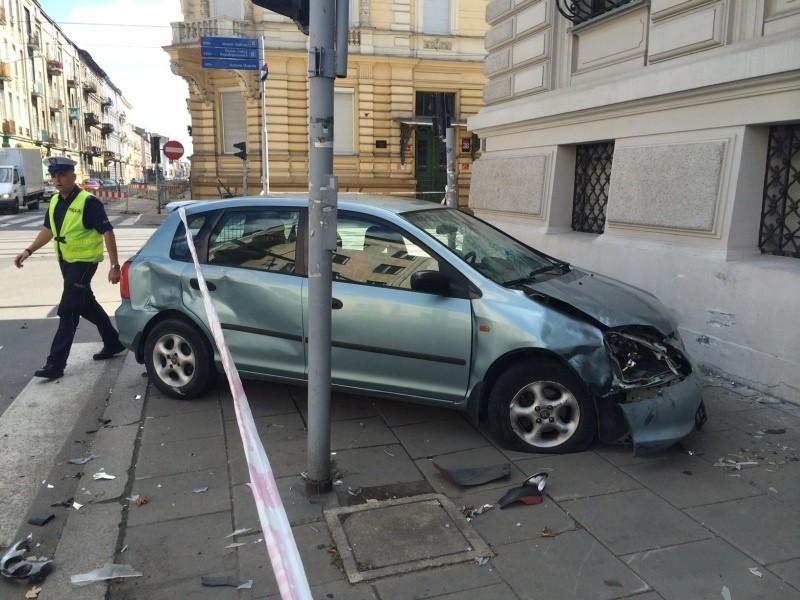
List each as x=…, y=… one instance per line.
x=124, y=282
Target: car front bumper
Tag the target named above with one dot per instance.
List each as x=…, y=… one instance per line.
x=672, y=413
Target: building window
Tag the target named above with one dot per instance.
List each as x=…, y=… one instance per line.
x=583, y=10
x=343, y=134
x=592, y=180
x=435, y=17
x=780, y=211
x=234, y=119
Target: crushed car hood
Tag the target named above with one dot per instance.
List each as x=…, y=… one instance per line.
x=611, y=302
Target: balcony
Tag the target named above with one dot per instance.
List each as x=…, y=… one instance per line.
x=74, y=112
x=89, y=87
x=91, y=120
x=3, y=15
x=94, y=150
x=44, y=135
x=9, y=127
x=52, y=139
x=56, y=105
x=54, y=67
x=5, y=71
x=109, y=156
x=107, y=129
x=71, y=83
x=33, y=42
x=189, y=32
x=37, y=89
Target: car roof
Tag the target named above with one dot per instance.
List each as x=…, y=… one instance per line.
x=370, y=203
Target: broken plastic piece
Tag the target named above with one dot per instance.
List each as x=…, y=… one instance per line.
x=41, y=518
x=481, y=560
x=107, y=571
x=476, y=475
x=65, y=503
x=14, y=565
x=755, y=571
x=200, y=490
x=246, y=585
x=238, y=532
x=219, y=580
x=102, y=475
x=530, y=492
x=81, y=461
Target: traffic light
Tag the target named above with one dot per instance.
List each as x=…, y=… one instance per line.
x=242, y=150
x=296, y=10
x=155, y=149
x=441, y=115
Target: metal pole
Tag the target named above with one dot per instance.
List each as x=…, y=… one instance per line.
x=322, y=242
x=244, y=177
x=264, y=133
x=451, y=191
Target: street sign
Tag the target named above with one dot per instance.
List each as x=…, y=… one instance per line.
x=173, y=149
x=230, y=53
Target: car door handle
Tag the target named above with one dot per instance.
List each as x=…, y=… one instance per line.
x=196, y=284
x=336, y=304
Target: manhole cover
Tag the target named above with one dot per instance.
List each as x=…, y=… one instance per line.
x=398, y=536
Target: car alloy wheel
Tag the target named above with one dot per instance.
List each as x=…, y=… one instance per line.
x=542, y=406
x=178, y=359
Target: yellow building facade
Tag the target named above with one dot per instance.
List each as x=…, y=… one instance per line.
x=400, y=54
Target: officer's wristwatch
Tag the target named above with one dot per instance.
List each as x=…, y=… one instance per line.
x=115, y=267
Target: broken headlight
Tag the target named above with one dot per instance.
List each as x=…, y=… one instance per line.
x=642, y=358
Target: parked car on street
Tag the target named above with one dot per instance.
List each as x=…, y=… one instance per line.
x=92, y=185
x=110, y=184
x=49, y=190
x=430, y=305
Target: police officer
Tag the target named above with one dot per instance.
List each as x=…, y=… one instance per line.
x=77, y=223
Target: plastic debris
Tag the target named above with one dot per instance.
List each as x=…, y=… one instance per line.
x=65, y=503
x=234, y=545
x=726, y=593
x=14, y=565
x=33, y=592
x=470, y=511
x=137, y=397
x=102, y=475
x=200, y=490
x=107, y=571
x=481, y=560
x=386, y=451
x=246, y=585
x=41, y=518
x=755, y=571
x=81, y=461
x=239, y=532
x=77, y=505
x=530, y=492
x=475, y=476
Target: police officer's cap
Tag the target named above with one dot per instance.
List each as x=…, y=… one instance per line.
x=59, y=164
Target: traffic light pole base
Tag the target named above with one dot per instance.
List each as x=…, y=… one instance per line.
x=318, y=488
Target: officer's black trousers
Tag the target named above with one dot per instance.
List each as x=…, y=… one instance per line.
x=77, y=300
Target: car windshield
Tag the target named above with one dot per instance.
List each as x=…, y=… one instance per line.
x=489, y=251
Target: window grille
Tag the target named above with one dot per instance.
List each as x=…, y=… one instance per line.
x=780, y=212
x=592, y=180
x=579, y=11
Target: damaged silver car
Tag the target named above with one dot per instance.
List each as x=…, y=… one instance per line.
x=430, y=305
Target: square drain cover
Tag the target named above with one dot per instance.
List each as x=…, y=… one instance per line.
x=403, y=535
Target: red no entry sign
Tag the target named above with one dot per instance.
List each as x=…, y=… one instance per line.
x=173, y=149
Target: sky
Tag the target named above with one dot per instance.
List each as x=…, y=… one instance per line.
x=125, y=38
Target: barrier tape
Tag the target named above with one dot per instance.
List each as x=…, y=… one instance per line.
x=281, y=546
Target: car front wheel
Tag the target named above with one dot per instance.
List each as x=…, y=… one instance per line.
x=542, y=406
x=178, y=359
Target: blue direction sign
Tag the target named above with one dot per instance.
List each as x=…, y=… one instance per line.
x=230, y=53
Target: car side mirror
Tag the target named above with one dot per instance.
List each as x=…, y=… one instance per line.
x=430, y=282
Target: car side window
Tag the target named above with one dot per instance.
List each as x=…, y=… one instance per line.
x=377, y=254
x=255, y=239
x=180, y=247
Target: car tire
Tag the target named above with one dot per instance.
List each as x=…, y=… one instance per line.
x=542, y=406
x=33, y=206
x=178, y=359
x=15, y=208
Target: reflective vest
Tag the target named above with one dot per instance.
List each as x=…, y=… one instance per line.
x=75, y=243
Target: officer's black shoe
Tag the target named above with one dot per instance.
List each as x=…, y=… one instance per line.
x=50, y=371
x=109, y=351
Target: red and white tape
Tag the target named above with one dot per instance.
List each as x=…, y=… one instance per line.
x=282, y=549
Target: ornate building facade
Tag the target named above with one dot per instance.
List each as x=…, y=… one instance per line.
x=400, y=54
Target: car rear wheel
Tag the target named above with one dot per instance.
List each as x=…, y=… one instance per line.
x=178, y=359
x=542, y=406
x=15, y=207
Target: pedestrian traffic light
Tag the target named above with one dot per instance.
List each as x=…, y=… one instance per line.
x=155, y=149
x=242, y=150
x=296, y=10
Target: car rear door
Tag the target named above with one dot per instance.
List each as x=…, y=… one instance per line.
x=385, y=337
x=250, y=270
